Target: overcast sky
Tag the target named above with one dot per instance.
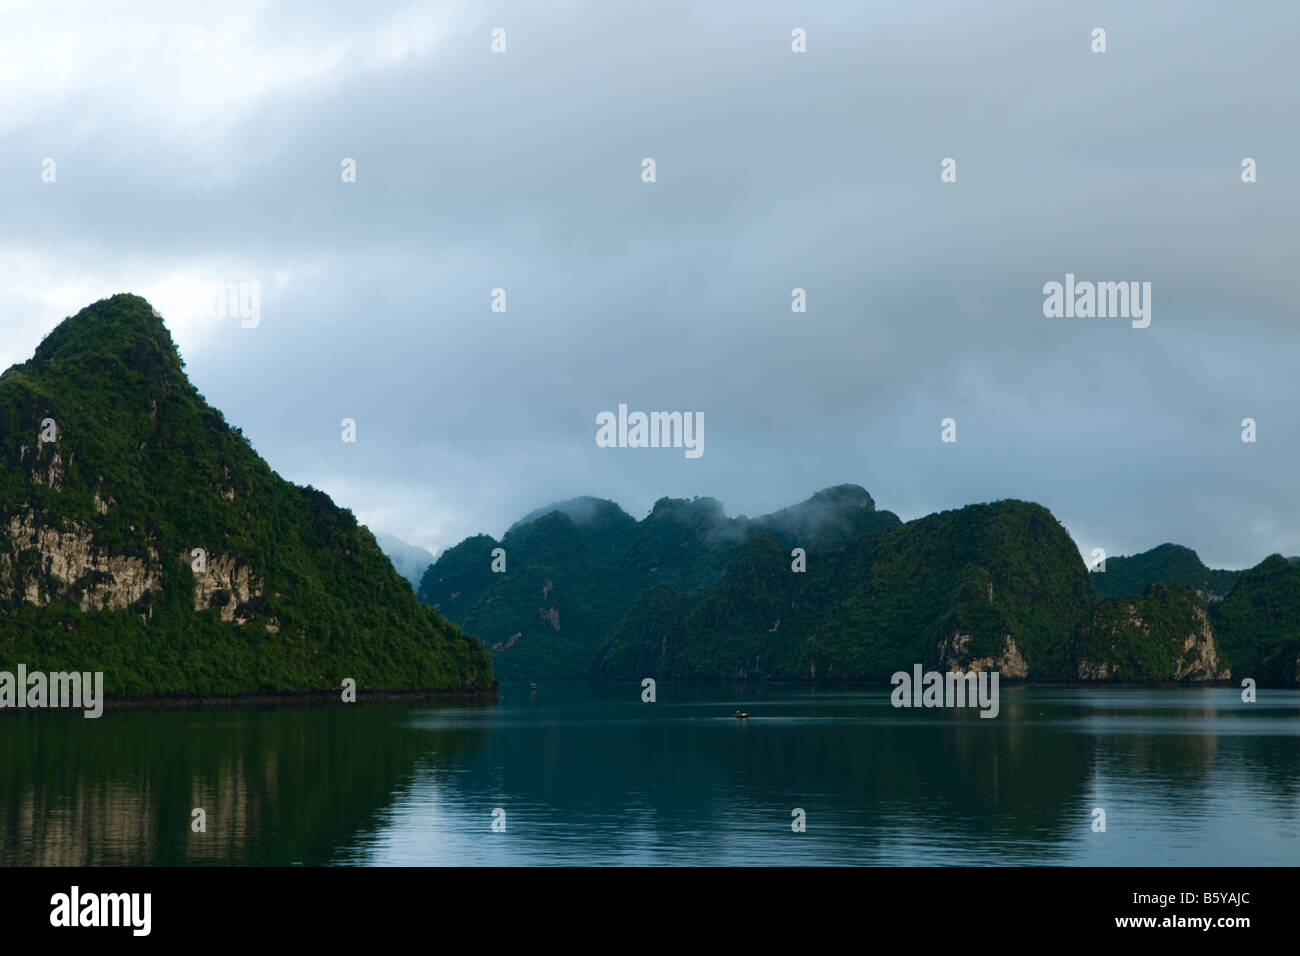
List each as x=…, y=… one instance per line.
x=204, y=143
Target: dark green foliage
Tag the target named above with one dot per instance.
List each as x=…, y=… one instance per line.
x=732, y=605
x=1166, y=564
x=974, y=613
x=1145, y=639
x=1258, y=624
x=735, y=629
x=689, y=593
x=926, y=583
x=650, y=637
x=146, y=469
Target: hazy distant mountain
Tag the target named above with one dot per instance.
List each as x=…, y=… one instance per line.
x=411, y=561
x=143, y=536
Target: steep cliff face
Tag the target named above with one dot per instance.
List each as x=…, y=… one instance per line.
x=229, y=586
x=143, y=536
x=1163, y=636
x=955, y=655
x=45, y=559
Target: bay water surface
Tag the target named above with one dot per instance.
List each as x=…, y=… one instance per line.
x=587, y=773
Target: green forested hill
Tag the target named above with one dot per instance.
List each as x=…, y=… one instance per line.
x=581, y=575
x=1258, y=624
x=1146, y=638
x=690, y=593
x=1166, y=564
x=1002, y=582
x=98, y=529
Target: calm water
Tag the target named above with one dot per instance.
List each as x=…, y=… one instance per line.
x=587, y=773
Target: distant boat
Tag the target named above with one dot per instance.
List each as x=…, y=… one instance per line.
x=532, y=685
x=740, y=715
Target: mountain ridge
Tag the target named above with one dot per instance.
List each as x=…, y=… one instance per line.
x=687, y=592
x=141, y=535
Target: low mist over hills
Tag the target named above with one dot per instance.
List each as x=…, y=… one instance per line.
x=410, y=560
x=141, y=535
x=583, y=589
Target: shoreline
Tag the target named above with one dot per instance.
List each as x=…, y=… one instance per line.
x=487, y=694
x=492, y=694
x=876, y=682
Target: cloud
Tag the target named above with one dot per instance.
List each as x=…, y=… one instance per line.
x=195, y=149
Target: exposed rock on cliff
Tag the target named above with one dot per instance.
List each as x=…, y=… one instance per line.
x=1164, y=635
x=114, y=473
x=42, y=562
x=954, y=655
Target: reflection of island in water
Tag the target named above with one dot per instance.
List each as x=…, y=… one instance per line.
x=279, y=785
x=588, y=773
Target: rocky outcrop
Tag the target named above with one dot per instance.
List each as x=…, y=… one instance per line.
x=141, y=535
x=1164, y=636
x=1200, y=659
x=228, y=585
x=1095, y=670
x=45, y=563
x=954, y=655
x=499, y=646
x=42, y=562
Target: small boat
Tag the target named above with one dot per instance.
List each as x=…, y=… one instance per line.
x=740, y=715
x=532, y=685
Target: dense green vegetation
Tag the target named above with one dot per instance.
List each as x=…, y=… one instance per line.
x=1142, y=639
x=690, y=593
x=589, y=590
x=144, y=469
x=1166, y=564
x=987, y=571
x=1258, y=624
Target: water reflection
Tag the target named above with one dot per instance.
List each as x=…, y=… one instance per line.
x=590, y=774
x=279, y=785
